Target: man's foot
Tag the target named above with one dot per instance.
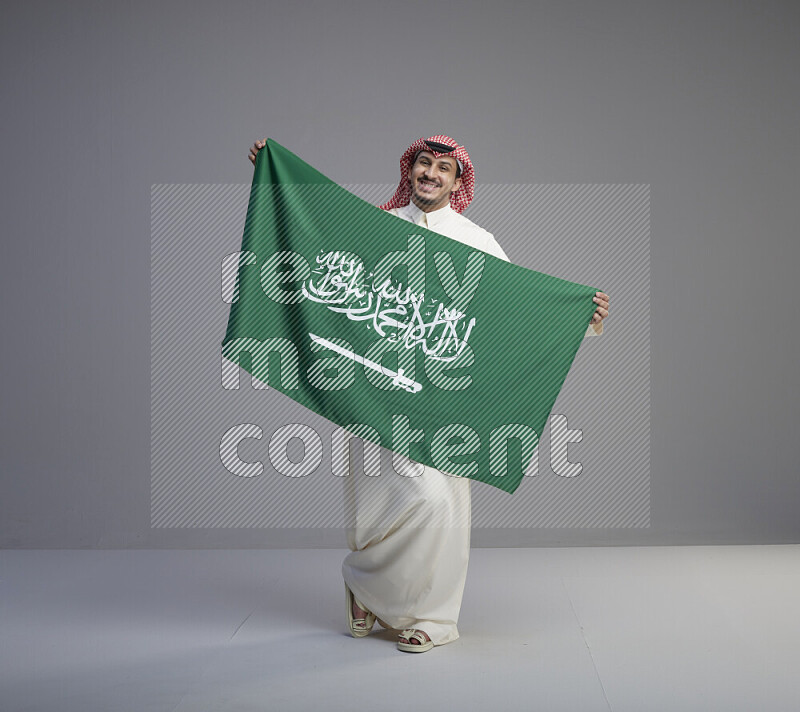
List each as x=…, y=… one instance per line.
x=361, y=620
x=413, y=640
x=358, y=612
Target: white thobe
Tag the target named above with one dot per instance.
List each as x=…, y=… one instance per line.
x=409, y=541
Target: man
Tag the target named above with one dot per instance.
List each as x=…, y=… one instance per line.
x=409, y=545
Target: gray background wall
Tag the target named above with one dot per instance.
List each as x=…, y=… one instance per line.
x=102, y=100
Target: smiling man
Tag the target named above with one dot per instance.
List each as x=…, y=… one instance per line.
x=434, y=179
x=409, y=545
x=437, y=183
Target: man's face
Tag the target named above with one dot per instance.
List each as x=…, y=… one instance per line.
x=433, y=180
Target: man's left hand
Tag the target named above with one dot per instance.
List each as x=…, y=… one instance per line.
x=601, y=299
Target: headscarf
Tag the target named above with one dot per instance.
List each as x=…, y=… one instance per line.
x=439, y=146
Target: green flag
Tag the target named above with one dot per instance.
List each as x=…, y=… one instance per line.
x=416, y=342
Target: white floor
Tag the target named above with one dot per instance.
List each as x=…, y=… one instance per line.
x=623, y=629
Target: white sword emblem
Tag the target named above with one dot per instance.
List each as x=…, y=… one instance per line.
x=398, y=379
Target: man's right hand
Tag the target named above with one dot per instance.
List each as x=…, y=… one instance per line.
x=257, y=146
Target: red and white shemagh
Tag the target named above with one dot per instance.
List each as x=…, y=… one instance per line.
x=459, y=199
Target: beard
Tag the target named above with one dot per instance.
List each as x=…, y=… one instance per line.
x=426, y=198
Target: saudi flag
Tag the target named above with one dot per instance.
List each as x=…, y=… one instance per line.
x=416, y=342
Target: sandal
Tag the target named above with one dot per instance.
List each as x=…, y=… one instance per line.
x=359, y=627
x=414, y=634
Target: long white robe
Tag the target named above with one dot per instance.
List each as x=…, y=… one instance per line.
x=409, y=541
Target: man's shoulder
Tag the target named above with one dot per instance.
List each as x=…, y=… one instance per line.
x=467, y=224
x=482, y=237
